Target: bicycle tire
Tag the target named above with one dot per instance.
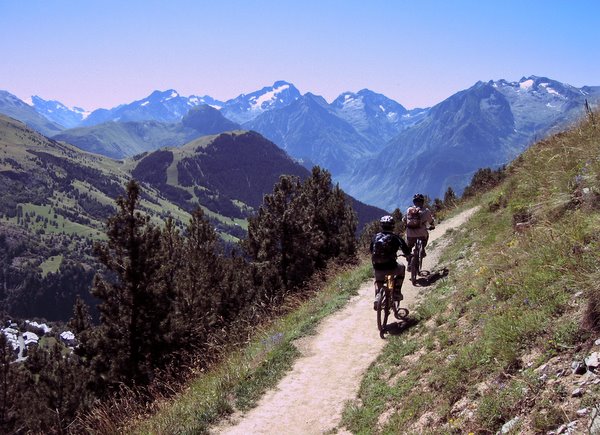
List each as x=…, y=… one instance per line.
x=383, y=311
x=414, y=268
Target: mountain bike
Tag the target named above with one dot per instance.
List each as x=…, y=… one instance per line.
x=416, y=261
x=386, y=304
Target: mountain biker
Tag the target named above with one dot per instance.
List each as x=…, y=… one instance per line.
x=418, y=220
x=384, y=247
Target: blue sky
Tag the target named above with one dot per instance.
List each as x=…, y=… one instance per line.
x=101, y=53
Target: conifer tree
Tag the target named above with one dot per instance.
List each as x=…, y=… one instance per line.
x=166, y=288
x=279, y=237
x=129, y=344
x=450, y=198
x=399, y=225
x=438, y=205
x=57, y=390
x=8, y=386
x=298, y=228
x=81, y=320
x=199, y=284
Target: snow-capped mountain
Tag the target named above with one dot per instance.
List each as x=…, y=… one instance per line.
x=539, y=103
x=486, y=125
x=162, y=106
x=309, y=130
x=248, y=106
x=57, y=112
x=374, y=147
x=16, y=108
x=374, y=115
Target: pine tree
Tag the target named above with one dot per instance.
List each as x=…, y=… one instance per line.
x=450, y=198
x=57, y=390
x=81, y=320
x=278, y=237
x=199, y=286
x=298, y=228
x=399, y=225
x=438, y=205
x=8, y=386
x=129, y=343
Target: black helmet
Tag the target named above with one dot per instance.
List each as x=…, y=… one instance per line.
x=418, y=198
x=387, y=222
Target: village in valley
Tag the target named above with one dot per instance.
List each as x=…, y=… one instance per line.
x=25, y=335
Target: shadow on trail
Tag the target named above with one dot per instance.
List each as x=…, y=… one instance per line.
x=427, y=278
x=397, y=328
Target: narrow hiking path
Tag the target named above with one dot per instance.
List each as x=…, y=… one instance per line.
x=311, y=397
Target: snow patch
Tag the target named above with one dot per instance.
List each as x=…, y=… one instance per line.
x=173, y=94
x=267, y=97
x=526, y=85
x=382, y=108
x=145, y=103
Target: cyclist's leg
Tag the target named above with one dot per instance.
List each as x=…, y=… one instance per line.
x=379, y=280
x=410, y=242
x=424, y=239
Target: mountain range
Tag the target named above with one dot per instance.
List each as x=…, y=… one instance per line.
x=486, y=125
x=55, y=199
x=376, y=149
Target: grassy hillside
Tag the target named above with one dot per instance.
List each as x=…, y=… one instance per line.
x=501, y=344
x=497, y=342
x=123, y=139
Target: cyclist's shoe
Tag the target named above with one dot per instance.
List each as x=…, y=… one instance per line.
x=398, y=296
x=424, y=254
x=375, y=302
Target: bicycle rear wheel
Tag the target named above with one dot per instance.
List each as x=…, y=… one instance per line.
x=383, y=311
x=415, y=267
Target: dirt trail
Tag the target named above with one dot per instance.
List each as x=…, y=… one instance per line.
x=311, y=397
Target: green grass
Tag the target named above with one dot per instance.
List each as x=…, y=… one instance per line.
x=54, y=223
x=51, y=265
x=509, y=294
x=240, y=380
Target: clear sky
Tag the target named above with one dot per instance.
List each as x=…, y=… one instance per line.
x=101, y=53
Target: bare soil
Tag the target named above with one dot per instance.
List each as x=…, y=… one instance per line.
x=311, y=397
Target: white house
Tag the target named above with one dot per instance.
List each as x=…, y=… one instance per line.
x=68, y=338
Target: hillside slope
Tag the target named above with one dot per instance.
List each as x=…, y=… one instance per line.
x=508, y=341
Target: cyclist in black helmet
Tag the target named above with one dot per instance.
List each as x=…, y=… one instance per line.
x=384, y=248
x=418, y=220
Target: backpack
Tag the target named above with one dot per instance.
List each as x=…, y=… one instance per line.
x=413, y=217
x=383, y=249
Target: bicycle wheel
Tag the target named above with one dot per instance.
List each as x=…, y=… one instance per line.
x=415, y=268
x=383, y=311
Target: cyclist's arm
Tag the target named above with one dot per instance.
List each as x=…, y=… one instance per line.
x=404, y=247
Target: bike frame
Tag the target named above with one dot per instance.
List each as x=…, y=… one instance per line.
x=386, y=304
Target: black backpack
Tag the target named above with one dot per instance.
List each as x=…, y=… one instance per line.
x=383, y=249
